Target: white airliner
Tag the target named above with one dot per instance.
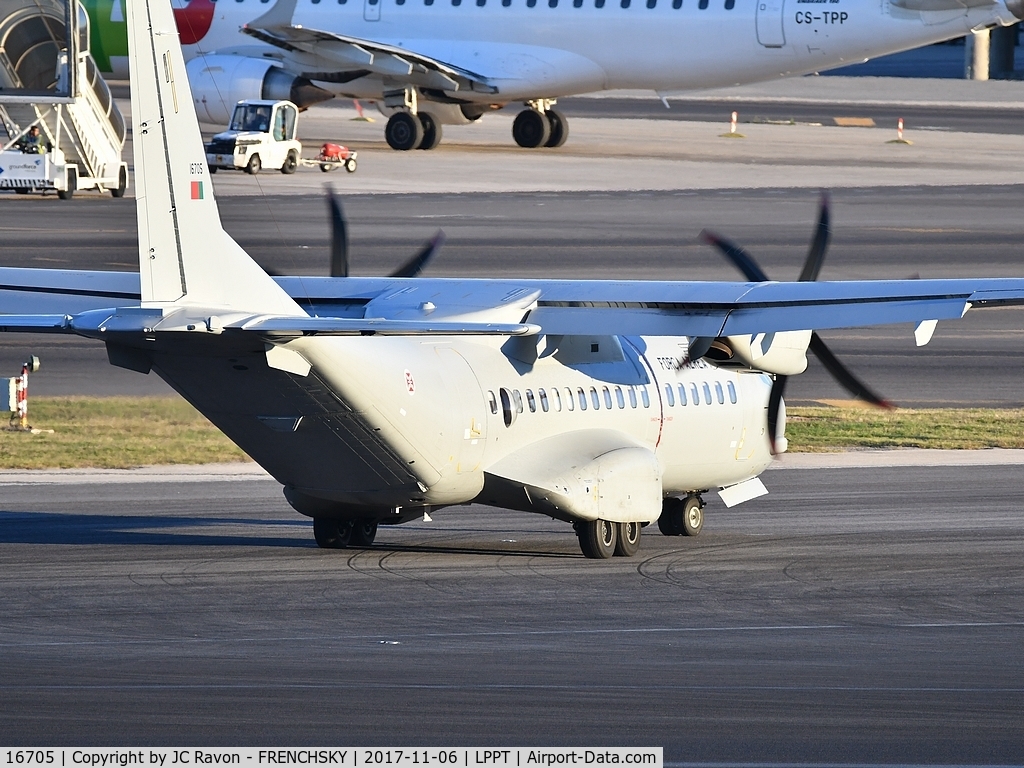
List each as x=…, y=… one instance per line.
x=607, y=404
x=434, y=62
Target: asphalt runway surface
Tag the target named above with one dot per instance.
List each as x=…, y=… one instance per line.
x=853, y=616
x=877, y=233
x=915, y=118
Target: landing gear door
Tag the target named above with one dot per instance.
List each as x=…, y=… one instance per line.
x=769, y=23
x=371, y=10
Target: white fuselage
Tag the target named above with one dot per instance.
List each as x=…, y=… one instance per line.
x=438, y=405
x=544, y=51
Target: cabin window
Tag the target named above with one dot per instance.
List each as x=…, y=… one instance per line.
x=569, y=404
x=594, y=399
x=506, y=3
x=315, y=2
x=531, y=3
x=508, y=412
x=492, y=401
x=695, y=395
x=682, y=394
x=428, y=2
x=732, y=392
x=577, y=3
x=619, y=398
x=607, y=397
x=646, y=398
x=556, y=399
x=703, y=4
x=599, y=3
x=669, y=397
x=342, y=2
x=632, y=397
x=543, y=395
x=707, y=393
x=518, y=399
x=651, y=3
x=730, y=4
x=582, y=397
x=530, y=401
x=624, y=3
x=677, y=4
x=456, y=2
x=719, y=394
x=552, y=3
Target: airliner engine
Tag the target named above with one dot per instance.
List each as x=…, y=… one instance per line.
x=220, y=81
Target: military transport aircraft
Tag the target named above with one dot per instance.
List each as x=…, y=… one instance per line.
x=448, y=62
x=606, y=404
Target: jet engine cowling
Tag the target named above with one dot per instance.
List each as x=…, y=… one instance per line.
x=220, y=81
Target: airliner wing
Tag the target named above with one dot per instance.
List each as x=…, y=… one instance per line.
x=340, y=58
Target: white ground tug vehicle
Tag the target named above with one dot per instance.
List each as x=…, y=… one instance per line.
x=262, y=135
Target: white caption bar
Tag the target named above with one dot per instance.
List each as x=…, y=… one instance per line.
x=178, y=757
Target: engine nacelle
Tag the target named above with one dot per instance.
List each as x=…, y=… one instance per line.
x=783, y=353
x=220, y=81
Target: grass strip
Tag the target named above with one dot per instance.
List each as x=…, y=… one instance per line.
x=123, y=432
x=833, y=429
x=114, y=433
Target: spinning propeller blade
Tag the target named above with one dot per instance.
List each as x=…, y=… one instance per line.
x=746, y=264
x=339, y=236
x=339, y=245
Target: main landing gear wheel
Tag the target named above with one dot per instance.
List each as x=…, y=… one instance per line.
x=330, y=533
x=431, y=131
x=403, y=131
x=628, y=543
x=363, y=533
x=598, y=538
x=559, y=128
x=682, y=517
x=531, y=129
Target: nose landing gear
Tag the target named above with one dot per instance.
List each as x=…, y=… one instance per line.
x=682, y=517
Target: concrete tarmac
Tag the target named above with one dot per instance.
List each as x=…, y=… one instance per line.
x=851, y=616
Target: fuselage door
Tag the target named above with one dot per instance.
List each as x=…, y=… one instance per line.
x=769, y=23
x=371, y=10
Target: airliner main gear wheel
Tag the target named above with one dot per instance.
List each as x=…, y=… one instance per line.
x=598, y=538
x=559, y=128
x=531, y=129
x=628, y=543
x=363, y=533
x=330, y=533
x=404, y=131
x=431, y=130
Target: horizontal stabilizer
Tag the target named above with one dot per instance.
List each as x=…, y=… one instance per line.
x=36, y=323
x=336, y=326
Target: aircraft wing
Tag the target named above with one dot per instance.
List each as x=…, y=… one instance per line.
x=333, y=56
x=75, y=301
x=650, y=308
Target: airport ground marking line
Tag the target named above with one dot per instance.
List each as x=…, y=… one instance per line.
x=524, y=633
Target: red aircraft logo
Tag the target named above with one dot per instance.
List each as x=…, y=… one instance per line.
x=194, y=20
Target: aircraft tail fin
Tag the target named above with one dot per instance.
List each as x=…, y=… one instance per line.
x=185, y=256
